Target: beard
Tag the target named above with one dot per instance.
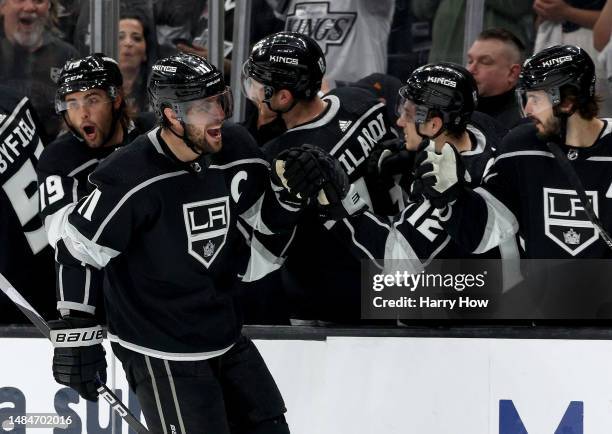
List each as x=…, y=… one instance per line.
x=197, y=136
x=31, y=39
x=551, y=130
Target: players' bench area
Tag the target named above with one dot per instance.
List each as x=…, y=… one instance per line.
x=443, y=379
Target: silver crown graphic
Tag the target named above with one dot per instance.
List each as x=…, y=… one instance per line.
x=209, y=249
x=571, y=237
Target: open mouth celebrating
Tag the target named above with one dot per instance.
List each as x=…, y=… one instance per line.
x=89, y=132
x=214, y=133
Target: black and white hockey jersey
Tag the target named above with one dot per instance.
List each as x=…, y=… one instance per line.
x=416, y=235
x=173, y=238
x=322, y=272
x=63, y=172
x=527, y=188
x=26, y=259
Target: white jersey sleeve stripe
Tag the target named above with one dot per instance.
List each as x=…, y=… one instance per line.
x=131, y=193
x=501, y=222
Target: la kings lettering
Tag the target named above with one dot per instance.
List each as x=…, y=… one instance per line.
x=557, y=61
x=369, y=135
x=566, y=221
x=324, y=26
x=443, y=81
x=206, y=223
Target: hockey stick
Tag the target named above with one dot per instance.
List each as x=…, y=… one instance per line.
x=44, y=328
x=574, y=180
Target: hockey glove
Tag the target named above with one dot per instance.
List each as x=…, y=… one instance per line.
x=310, y=171
x=390, y=158
x=78, y=357
x=339, y=208
x=280, y=186
x=439, y=177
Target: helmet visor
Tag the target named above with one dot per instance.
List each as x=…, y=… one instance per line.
x=409, y=111
x=73, y=103
x=255, y=91
x=536, y=102
x=217, y=107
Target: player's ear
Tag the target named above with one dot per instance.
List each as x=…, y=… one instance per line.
x=172, y=118
x=285, y=96
x=118, y=100
x=567, y=105
x=436, y=124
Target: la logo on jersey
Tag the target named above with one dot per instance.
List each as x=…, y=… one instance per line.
x=566, y=221
x=321, y=24
x=206, y=223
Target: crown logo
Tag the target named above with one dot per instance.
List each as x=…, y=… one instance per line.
x=209, y=249
x=571, y=237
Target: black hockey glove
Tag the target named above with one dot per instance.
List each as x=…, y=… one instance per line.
x=78, y=357
x=390, y=158
x=341, y=207
x=310, y=172
x=439, y=177
x=280, y=186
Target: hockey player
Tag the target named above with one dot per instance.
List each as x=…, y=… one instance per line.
x=168, y=221
x=284, y=71
x=436, y=107
x=90, y=99
x=529, y=186
x=25, y=256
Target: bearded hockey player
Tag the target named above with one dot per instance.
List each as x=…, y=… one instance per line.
x=90, y=100
x=168, y=221
x=284, y=71
x=529, y=186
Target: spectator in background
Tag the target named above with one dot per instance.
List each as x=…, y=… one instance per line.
x=137, y=51
x=601, y=39
x=495, y=59
x=603, y=27
x=82, y=26
x=353, y=38
x=449, y=23
x=571, y=22
x=32, y=55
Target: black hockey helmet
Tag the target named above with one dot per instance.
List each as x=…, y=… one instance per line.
x=557, y=66
x=96, y=71
x=445, y=88
x=287, y=60
x=180, y=79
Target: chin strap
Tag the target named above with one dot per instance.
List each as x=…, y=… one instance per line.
x=425, y=137
x=563, y=117
x=203, y=157
x=190, y=144
x=279, y=113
